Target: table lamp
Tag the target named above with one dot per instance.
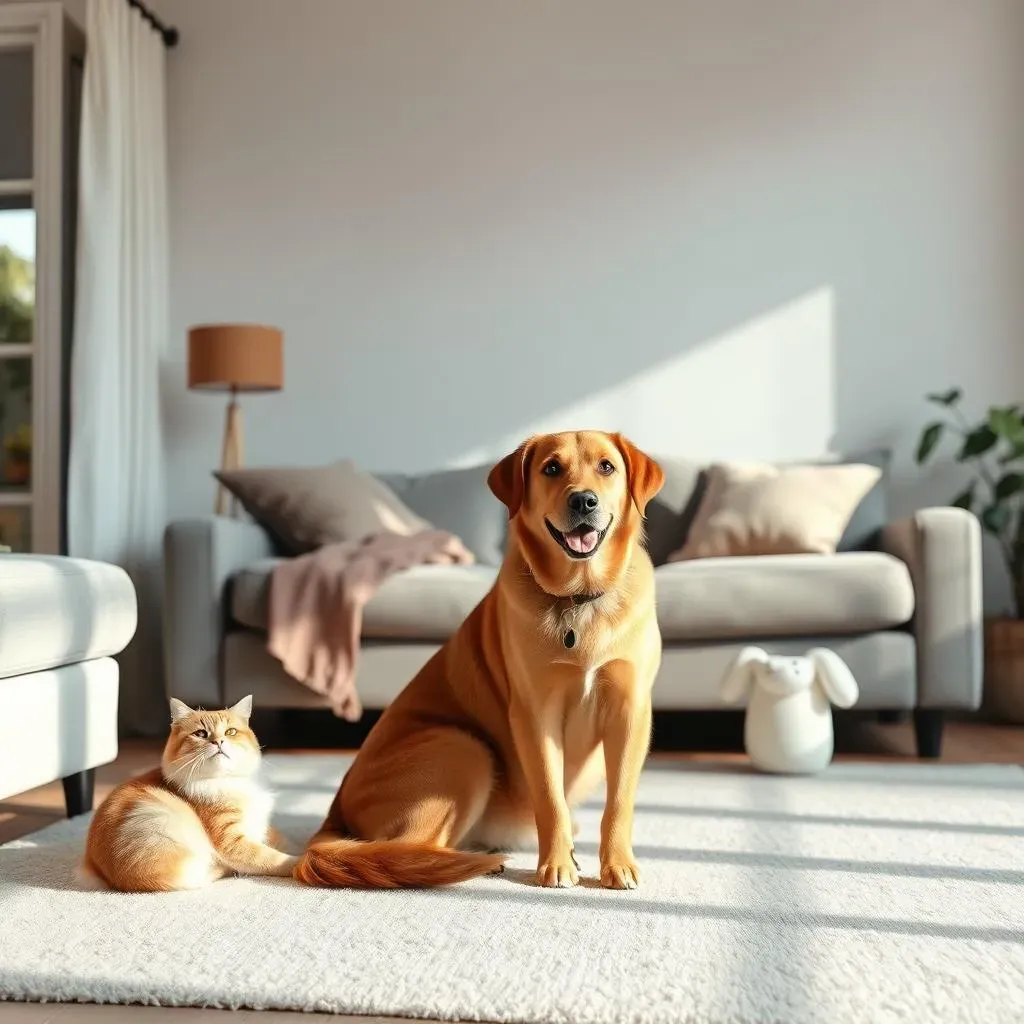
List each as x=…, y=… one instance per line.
x=234, y=358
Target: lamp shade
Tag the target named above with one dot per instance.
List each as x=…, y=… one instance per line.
x=238, y=357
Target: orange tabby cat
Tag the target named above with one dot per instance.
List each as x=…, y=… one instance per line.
x=198, y=817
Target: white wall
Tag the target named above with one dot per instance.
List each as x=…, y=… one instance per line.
x=727, y=227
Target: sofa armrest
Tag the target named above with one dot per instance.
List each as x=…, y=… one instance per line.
x=200, y=556
x=942, y=550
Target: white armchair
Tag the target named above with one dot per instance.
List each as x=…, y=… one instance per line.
x=62, y=620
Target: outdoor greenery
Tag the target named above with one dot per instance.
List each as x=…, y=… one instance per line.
x=17, y=292
x=994, y=450
x=17, y=297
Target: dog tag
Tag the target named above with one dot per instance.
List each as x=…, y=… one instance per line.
x=570, y=639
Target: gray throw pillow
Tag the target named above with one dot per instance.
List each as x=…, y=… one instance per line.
x=304, y=508
x=457, y=500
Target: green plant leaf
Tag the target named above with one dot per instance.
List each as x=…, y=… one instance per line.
x=930, y=437
x=947, y=398
x=996, y=518
x=1016, y=452
x=965, y=499
x=1009, y=484
x=1006, y=423
x=977, y=442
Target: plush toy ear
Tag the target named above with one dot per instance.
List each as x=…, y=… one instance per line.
x=645, y=475
x=834, y=677
x=243, y=708
x=179, y=710
x=507, y=480
x=740, y=676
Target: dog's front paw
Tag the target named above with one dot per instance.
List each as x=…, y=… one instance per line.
x=620, y=873
x=558, y=874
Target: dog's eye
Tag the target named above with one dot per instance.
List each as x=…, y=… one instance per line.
x=605, y=467
x=552, y=469
x=200, y=734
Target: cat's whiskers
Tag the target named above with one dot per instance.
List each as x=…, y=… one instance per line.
x=191, y=764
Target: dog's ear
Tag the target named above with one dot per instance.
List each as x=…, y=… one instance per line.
x=834, y=677
x=507, y=480
x=645, y=475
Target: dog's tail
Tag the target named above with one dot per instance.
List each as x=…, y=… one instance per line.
x=335, y=861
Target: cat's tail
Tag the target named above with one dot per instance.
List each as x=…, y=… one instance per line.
x=334, y=861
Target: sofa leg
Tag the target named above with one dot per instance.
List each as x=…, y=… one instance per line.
x=928, y=729
x=892, y=717
x=78, y=792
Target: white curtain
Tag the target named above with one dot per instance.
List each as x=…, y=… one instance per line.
x=115, y=499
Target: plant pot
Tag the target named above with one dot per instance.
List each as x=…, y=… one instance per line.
x=1004, y=669
x=17, y=467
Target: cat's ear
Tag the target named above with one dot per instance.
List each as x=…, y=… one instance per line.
x=243, y=708
x=179, y=710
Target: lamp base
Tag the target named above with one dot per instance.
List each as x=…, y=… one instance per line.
x=231, y=455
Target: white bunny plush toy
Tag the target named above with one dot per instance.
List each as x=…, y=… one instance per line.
x=788, y=728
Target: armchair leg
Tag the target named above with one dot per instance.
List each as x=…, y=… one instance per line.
x=928, y=724
x=78, y=792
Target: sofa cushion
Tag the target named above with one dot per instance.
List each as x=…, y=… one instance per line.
x=782, y=595
x=58, y=611
x=457, y=500
x=426, y=602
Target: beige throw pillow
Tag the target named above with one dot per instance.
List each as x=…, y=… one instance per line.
x=304, y=508
x=757, y=509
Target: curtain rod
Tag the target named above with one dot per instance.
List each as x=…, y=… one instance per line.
x=167, y=32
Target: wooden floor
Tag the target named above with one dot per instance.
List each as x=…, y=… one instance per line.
x=718, y=740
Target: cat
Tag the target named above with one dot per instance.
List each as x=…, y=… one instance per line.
x=198, y=817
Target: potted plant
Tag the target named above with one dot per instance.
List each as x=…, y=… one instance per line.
x=18, y=456
x=994, y=450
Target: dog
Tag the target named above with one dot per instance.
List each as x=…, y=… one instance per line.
x=542, y=691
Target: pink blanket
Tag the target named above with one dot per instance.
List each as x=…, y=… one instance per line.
x=317, y=601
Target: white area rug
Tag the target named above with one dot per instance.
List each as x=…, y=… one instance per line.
x=871, y=893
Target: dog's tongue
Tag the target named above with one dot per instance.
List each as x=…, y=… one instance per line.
x=584, y=542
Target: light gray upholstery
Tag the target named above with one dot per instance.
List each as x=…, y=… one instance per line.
x=384, y=668
x=200, y=558
x=59, y=611
x=457, y=500
x=882, y=663
x=690, y=674
x=426, y=602
x=906, y=615
x=706, y=599
x=942, y=549
x=782, y=595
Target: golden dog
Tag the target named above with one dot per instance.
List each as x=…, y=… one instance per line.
x=545, y=686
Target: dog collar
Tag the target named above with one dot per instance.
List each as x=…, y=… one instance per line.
x=569, y=618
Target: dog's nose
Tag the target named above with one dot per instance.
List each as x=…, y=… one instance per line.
x=583, y=502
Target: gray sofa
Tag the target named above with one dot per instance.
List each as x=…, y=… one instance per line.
x=899, y=601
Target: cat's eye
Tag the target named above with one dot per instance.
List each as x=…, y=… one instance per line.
x=230, y=732
x=200, y=734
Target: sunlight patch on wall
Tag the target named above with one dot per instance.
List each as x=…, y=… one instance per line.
x=764, y=390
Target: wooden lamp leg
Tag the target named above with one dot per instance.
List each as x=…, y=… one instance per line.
x=231, y=454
